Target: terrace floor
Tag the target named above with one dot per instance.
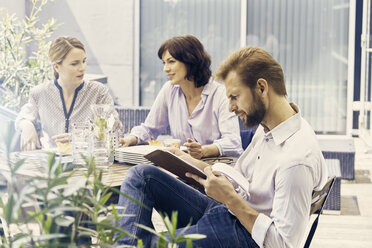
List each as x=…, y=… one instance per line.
x=353, y=226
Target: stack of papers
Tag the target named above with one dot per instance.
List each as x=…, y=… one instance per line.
x=134, y=154
x=42, y=156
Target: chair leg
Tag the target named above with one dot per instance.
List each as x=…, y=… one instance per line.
x=312, y=232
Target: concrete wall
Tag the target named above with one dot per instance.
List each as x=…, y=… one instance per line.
x=17, y=7
x=107, y=30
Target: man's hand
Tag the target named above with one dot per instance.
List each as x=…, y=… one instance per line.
x=194, y=148
x=198, y=163
x=215, y=185
x=29, y=138
x=176, y=151
x=128, y=141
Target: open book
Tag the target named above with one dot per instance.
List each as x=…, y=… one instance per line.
x=179, y=167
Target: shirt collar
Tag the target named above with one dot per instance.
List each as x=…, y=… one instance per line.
x=209, y=88
x=287, y=128
x=60, y=88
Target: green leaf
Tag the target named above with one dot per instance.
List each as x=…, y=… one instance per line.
x=139, y=243
x=160, y=235
x=162, y=242
x=189, y=244
x=130, y=198
x=174, y=220
x=169, y=226
x=195, y=236
x=18, y=164
x=75, y=184
x=105, y=198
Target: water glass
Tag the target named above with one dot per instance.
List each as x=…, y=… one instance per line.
x=100, y=147
x=81, y=134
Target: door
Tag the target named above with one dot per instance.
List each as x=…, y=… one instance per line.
x=365, y=131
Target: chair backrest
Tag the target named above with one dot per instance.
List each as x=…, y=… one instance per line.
x=134, y=116
x=318, y=200
x=246, y=136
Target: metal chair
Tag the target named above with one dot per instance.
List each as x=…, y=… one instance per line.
x=318, y=201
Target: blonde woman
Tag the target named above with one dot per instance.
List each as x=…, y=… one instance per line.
x=60, y=103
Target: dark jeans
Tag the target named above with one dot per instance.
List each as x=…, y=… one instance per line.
x=157, y=189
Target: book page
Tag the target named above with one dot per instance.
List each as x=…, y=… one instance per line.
x=235, y=177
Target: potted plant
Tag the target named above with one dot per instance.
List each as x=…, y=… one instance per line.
x=60, y=209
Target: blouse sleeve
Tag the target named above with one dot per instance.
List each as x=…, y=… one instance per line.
x=230, y=142
x=29, y=111
x=105, y=97
x=157, y=119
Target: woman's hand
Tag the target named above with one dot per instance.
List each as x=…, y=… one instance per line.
x=29, y=138
x=194, y=148
x=128, y=141
x=176, y=151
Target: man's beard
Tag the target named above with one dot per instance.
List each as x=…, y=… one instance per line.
x=257, y=112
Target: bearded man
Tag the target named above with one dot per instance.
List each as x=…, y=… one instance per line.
x=283, y=165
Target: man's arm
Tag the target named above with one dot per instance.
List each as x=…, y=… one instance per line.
x=220, y=188
x=290, y=212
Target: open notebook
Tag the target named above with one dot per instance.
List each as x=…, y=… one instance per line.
x=179, y=167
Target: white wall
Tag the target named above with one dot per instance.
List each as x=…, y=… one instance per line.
x=105, y=27
x=17, y=7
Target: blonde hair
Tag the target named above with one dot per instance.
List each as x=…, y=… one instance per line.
x=60, y=47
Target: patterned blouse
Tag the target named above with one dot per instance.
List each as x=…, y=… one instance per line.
x=46, y=105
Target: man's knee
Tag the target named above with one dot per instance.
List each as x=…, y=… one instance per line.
x=138, y=173
x=142, y=170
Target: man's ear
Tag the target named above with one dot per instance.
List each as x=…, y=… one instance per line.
x=262, y=86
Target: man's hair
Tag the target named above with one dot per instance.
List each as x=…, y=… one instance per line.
x=251, y=64
x=188, y=50
x=59, y=49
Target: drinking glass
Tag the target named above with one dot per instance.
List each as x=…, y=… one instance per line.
x=81, y=134
x=105, y=135
x=100, y=147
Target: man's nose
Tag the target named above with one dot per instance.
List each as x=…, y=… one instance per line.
x=232, y=106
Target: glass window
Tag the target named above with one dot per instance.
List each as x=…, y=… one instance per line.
x=309, y=38
x=216, y=23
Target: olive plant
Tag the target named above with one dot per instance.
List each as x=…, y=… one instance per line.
x=24, y=59
x=57, y=208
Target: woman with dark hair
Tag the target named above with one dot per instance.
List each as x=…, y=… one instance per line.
x=191, y=103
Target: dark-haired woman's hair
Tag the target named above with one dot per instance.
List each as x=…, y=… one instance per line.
x=188, y=50
x=60, y=47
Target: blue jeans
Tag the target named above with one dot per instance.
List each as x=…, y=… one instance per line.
x=157, y=189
